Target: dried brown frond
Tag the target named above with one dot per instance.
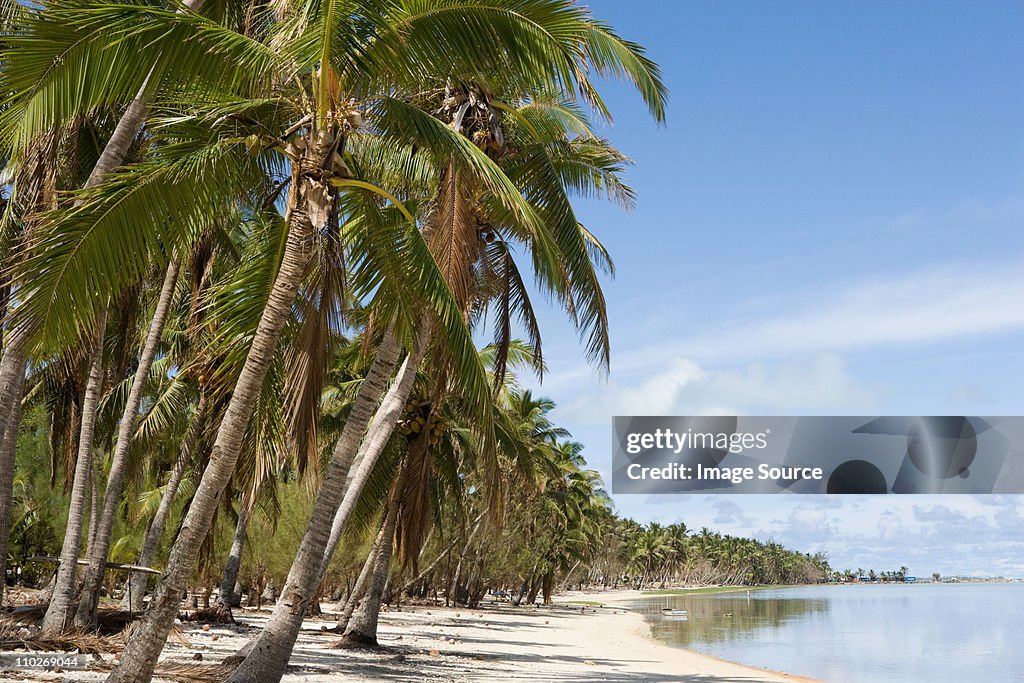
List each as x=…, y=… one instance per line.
x=185, y=672
x=454, y=239
x=15, y=637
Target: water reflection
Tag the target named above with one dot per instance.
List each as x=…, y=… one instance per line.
x=939, y=633
x=726, y=617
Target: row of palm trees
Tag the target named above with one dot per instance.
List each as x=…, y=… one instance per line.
x=430, y=537
x=885, y=576
x=216, y=210
x=656, y=556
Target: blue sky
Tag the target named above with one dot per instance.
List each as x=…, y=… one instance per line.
x=830, y=223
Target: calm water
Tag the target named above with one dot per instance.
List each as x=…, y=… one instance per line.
x=928, y=633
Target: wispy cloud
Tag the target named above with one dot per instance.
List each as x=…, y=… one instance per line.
x=680, y=386
x=929, y=305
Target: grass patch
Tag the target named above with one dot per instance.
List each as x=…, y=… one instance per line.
x=593, y=603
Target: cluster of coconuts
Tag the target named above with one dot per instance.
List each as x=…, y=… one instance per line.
x=468, y=108
x=415, y=420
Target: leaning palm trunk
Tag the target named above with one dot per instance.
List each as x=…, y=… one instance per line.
x=147, y=641
x=94, y=503
x=99, y=547
x=381, y=428
x=359, y=589
x=13, y=365
x=12, y=371
x=361, y=630
x=140, y=580
x=234, y=563
x=267, y=655
x=462, y=556
x=58, y=614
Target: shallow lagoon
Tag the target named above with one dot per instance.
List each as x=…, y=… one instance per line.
x=940, y=633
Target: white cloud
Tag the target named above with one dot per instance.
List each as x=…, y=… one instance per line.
x=682, y=387
x=928, y=305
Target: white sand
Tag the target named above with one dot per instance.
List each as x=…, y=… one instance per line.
x=496, y=642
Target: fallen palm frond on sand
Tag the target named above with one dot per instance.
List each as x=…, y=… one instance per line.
x=185, y=672
x=110, y=620
x=17, y=636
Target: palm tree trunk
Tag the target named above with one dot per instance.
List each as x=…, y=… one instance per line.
x=234, y=562
x=139, y=580
x=94, y=503
x=8, y=446
x=381, y=428
x=362, y=627
x=359, y=589
x=99, y=548
x=58, y=614
x=462, y=556
x=143, y=649
x=265, y=657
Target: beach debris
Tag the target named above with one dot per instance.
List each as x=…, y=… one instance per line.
x=198, y=656
x=215, y=637
x=589, y=662
x=210, y=615
x=547, y=621
x=181, y=672
x=206, y=627
x=435, y=653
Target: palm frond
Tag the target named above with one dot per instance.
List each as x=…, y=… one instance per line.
x=122, y=227
x=73, y=57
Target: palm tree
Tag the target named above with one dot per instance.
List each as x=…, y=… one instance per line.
x=269, y=652
x=100, y=547
x=497, y=285
x=12, y=367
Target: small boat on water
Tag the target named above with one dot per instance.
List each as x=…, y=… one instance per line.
x=673, y=612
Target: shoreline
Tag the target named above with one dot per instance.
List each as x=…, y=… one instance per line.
x=616, y=598
x=562, y=641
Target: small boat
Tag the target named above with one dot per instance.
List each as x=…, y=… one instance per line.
x=673, y=612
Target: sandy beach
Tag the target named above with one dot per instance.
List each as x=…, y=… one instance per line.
x=562, y=642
